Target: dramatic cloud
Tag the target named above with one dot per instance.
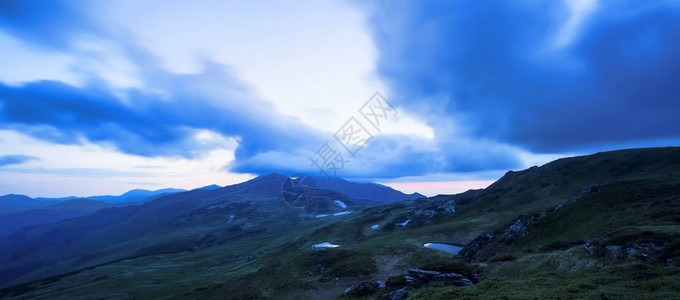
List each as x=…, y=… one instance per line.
x=537, y=74
x=149, y=124
x=157, y=112
x=480, y=86
x=49, y=23
x=170, y=114
x=16, y=159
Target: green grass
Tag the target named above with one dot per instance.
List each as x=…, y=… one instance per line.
x=565, y=275
x=638, y=204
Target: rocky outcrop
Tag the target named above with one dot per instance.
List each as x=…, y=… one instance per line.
x=590, y=189
x=398, y=294
x=396, y=287
x=419, y=277
x=490, y=244
x=519, y=227
x=365, y=288
x=476, y=245
x=427, y=211
x=639, y=251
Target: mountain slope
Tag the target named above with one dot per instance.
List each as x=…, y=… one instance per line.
x=54, y=242
x=13, y=202
x=85, y=241
x=366, y=193
x=136, y=195
x=532, y=234
x=65, y=210
x=49, y=210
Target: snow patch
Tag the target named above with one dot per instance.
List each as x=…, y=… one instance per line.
x=376, y=226
x=342, y=213
x=340, y=203
x=443, y=247
x=403, y=224
x=325, y=245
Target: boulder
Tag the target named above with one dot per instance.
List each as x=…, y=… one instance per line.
x=365, y=288
x=614, y=252
x=520, y=226
x=424, y=276
x=590, y=189
x=475, y=245
x=453, y=278
x=589, y=248
x=449, y=207
x=517, y=227
x=398, y=294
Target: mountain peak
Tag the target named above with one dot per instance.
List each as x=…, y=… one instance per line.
x=210, y=187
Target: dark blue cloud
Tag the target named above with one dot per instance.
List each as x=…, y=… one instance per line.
x=494, y=67
x=15, y=159
x=47, y=23
x=144, y=121
x=146, y=124
x=394, y=155
x=136, y=121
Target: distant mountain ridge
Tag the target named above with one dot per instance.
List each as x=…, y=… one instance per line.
x=366, y=193
x=9, y=222
x=136, y=195
x=107, y=234
x=210, y=187
x=14, y=202
x=17, y=202
x=18, y=211
x=244, y=241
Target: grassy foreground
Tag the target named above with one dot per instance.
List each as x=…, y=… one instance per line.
x=547, y=239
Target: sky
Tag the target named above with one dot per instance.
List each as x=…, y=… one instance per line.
x=100, y=97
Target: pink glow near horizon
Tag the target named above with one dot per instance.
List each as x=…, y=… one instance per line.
x=433, y=188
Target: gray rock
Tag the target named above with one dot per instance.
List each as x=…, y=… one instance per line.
x=589, y=248
x=422, y=274
x=453, y=278
x=365, y=288
x=425, y=213
x=398, y=294
x=476, y=244
x=613, y=248
x=449, y=207
x=517, y=227
x=425, y=276
x=614, y=252
x=590, y=189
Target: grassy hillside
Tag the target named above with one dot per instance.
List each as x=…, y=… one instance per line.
x=532, y=234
